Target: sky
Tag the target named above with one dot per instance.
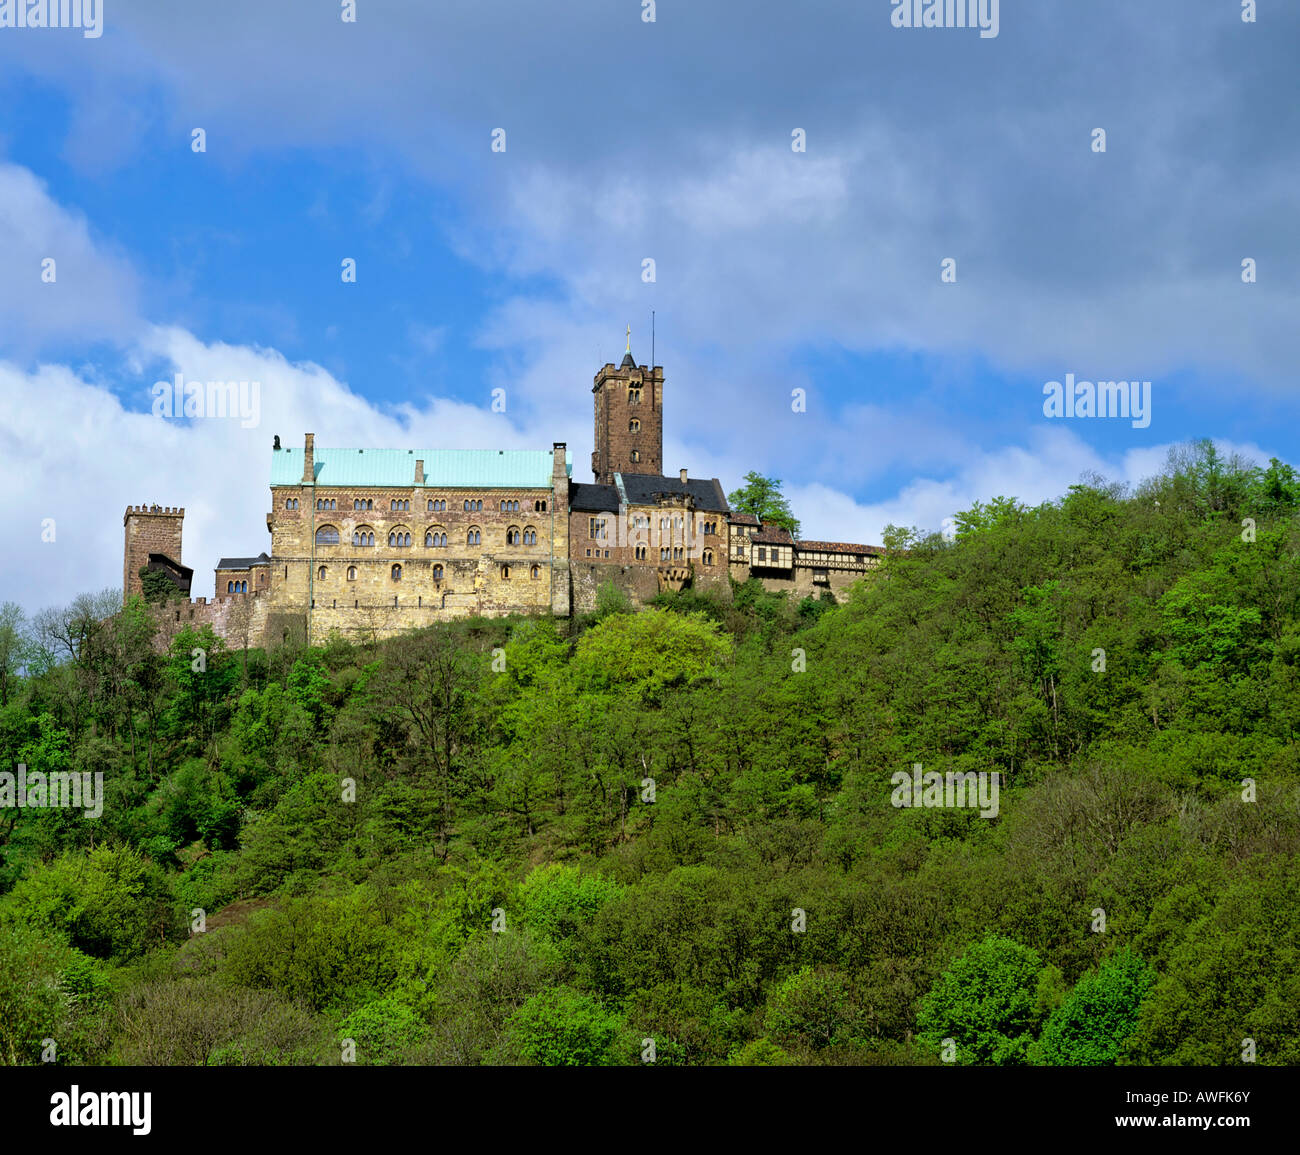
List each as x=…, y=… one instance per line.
x=500, y=172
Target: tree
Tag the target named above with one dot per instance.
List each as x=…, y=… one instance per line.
x=13, y=646
x=158, y=587
x=562, y=1027
x=986, y=1002
x=1091, y=1026
x=761, y=496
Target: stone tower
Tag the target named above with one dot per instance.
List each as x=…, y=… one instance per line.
x=629, y=411
x=149, y=529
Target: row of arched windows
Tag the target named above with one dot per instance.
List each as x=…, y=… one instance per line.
x=236, y=587
x=322, y=572
x=434, y=538
x=434, y=505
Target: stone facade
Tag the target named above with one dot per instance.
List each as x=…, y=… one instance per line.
x=628, y=404
x=149, y=529
x=369, y=543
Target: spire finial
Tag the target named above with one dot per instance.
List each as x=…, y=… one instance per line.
x=629, y=340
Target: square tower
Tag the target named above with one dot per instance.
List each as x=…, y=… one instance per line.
x=629, y=412
x=150, y=529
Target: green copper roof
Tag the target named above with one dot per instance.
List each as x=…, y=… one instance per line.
x=443, y=468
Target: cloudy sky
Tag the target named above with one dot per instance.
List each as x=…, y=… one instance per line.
x=625, y=140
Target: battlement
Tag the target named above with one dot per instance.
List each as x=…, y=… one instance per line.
x=158, y=510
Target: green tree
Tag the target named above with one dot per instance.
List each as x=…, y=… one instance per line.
x=986, y=1002
x=1091, y=1026
x=562, y=1027
x=762, y=497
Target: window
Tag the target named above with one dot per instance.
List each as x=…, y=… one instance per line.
x=596, y=527
x=634, y=426
x=363, y=537
x=327, y=535
x=437, y=573
x=230, y=587
x=535, y=573
x=708, y=557
x=636, y=455
x=634, y=396
x=399, y=539
x=505, y=573
x=435, y=539
x=320, y=574
x=352, y=573
x=762, y=554
x=530, y=536
x=640, y=553
x=397, y=573
x=513, y=536
x=474, y=537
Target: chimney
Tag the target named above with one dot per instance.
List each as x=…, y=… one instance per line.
x=683, y=475
x=559, y=469
x=309, y=461
x=419, y=471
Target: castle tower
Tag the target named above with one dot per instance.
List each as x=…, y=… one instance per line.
x=152, y=529
x=628, y=402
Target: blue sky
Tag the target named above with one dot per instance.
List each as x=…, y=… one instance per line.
x=625, y=140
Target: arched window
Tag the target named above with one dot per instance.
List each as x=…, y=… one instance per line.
x=230, y=587
x=320, y=574
x=634, y=426
x=327, y=535
x=392, y=505
x=243, y=587
x=437, y=573
x=370, y=503
x=512, y=536
x=397, y=573
x=352, y=573
x=467, y=505
x=478, y=504
x=429, y=507
x=636, y=455
x=708, y=557
x=393, y=539
x=474, y=537
x=634, y=396
x=435, y=539
x=536, y=572
x=505, y=573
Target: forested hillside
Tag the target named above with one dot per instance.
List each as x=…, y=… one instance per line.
x=517, y=841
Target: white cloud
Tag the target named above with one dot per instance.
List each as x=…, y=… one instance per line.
x=94, y=292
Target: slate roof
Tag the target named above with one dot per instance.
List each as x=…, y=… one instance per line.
x=773, y=535
x=443, y=468
x=163, y=560
x=642, y=487
x=840, y=547
x=743, y=519
x=243, y=562
x=595, y=498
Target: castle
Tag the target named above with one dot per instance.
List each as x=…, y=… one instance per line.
x=372, y=542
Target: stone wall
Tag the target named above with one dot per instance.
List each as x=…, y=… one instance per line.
x=148, y=529
x=615, y=408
